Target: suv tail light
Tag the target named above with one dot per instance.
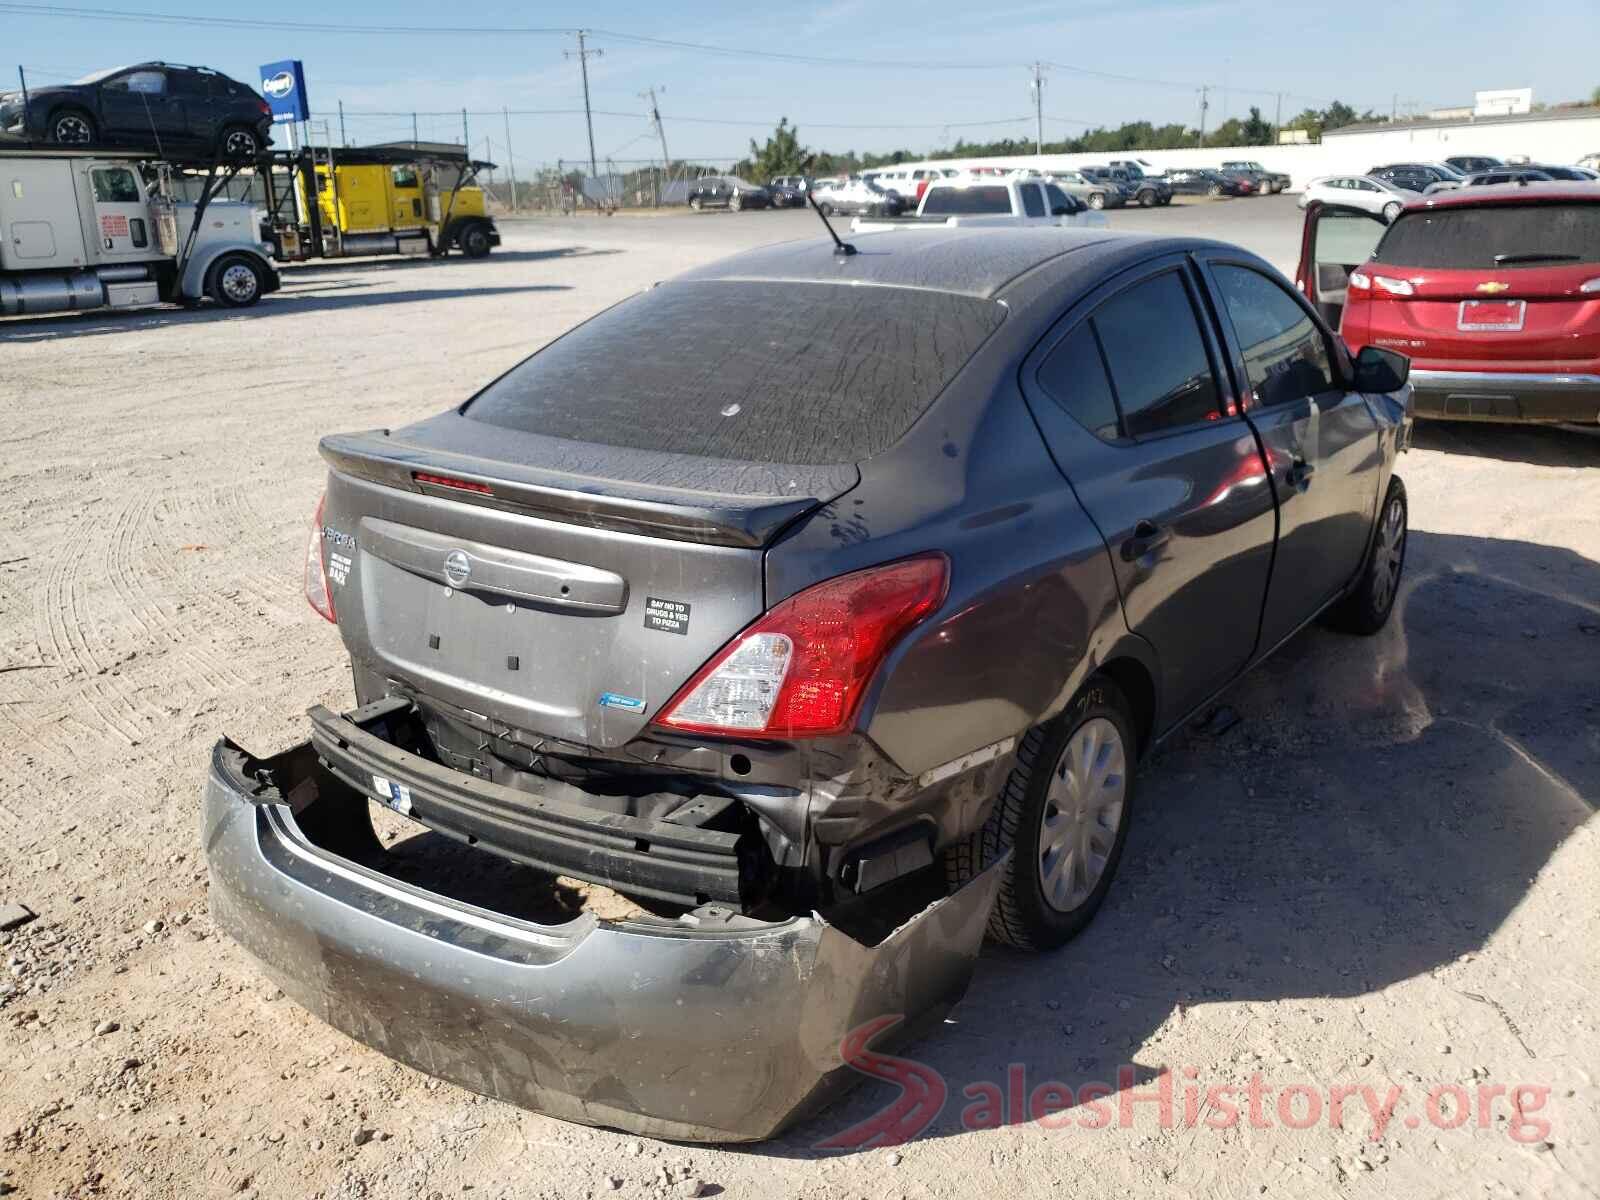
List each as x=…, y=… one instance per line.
x=801, y=669
x=317, y=590
x=266, y=109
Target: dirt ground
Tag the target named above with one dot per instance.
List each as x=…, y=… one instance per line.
x=1384, y=874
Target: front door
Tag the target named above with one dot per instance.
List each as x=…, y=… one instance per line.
x=405, y=198
x=1144, y=424
x=121, y=222
x=1334, y=242
x=1320, y=439
x=138, y=106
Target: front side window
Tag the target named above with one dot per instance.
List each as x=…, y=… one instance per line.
x=115, y=185
x=1032, y=200
x=405, y=177
x=1157, y=359
x=149, y=83
x=1285, y=354
x=1057, y=199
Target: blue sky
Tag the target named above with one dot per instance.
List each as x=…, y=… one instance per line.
x=1431, y=53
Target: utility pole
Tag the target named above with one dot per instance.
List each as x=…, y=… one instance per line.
x=1277, y=119
x=511, y=159
x=582, y=55
x=413, y=131
x=466, y=141
x=1205, y=103
x=655, y=119
x=343, y=141
x=1394, y=107
x=1038, y=108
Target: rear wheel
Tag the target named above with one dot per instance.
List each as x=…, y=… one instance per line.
x=1366, y=609
x=1097, y=200
x=1214, y=190
x=1063, y=815
x=72, y=127
x=735, y=202
x=1147, y=199
x=240, y=144
x=694, y=203
x=825, y=209
x=235, y=282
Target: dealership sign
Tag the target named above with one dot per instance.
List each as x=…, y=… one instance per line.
x=284, y=86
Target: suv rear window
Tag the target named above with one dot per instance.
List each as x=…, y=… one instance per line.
x=1493, y=237
x=804, y=373
x=967, y=201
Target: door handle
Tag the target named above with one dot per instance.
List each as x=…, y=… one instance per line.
x=1298, y=475
x=1147, y=536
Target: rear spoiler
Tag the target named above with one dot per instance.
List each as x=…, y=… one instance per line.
x=689, y=514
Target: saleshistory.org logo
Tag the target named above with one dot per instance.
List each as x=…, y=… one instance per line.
x=1172, y=1098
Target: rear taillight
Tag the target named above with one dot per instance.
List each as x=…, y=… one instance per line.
x=317, y=591
x=1360, y=281
x=1589, y=286
x=1395, y=287
x=801, y=670
x=266, y=109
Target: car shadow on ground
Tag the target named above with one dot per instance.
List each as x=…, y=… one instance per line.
x=1379, y=809
x=293, y=272
x=279, y=304
x=1537, y=445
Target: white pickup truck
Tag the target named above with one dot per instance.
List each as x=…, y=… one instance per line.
x=987, y=200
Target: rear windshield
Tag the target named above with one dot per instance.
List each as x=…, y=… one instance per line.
x=802, y=373
x=1496, y=236
x=967, y=201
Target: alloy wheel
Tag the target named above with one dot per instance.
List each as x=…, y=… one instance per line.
x=240, y=144
x=1389, y=555
x=1083, y=811
x=73, y=130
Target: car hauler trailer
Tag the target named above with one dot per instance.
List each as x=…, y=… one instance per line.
x=94, y=229
x=375, y=200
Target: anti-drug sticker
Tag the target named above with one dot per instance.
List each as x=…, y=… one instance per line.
x=669, y=616
x=113, y=225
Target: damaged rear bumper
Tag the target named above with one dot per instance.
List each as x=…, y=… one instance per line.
x=708, y=1027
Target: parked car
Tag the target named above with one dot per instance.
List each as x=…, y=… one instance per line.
x=1249, y=182
x=1471, y=164
x=1111, y=178
x=1419, y=177
x=1139, y=168
x=786, y=192
x=1357, y=191
x=1201, y=181
x=1590, y=162
x=986, y=201
x=858, y=196
x=179, y=110
x=727, y=191
x=1500, y=175
x=838, y=627
x=1494, y=292
x=907, y=182
x=1096, y=193
x=1267, y=182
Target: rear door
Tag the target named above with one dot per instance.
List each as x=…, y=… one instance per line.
x=1140, y=417
x=1335, y=240
x=1492, y=286
x=195, y=90
x=1320, y=441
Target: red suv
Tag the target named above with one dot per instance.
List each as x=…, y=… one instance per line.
x=1493, y=293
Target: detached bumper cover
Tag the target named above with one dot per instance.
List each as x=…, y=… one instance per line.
x=699, y=1029
x=1541, y=397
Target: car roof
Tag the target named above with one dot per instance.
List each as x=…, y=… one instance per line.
x=1555, y=192
x=970, y=261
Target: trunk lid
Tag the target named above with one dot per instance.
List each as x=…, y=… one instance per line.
x=1507, y=284
x=562, y=589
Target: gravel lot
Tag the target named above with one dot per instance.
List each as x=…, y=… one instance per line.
x=1384, y=874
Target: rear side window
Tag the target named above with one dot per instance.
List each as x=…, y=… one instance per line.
x=967, y=201
x=1074, y=376
x=802, y=373
x=1032, y=201
x=1157, y=358
x=1285, y=354
x=1496, y=236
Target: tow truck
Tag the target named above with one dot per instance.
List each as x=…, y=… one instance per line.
x=397, y=199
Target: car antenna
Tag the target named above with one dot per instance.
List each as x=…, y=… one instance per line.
x=841, y=249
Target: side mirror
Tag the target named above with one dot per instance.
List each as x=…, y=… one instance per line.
x=1380, y=370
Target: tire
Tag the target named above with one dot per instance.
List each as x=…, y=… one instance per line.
x=1166, y=200
x=474, y=240
x=735, y=203
x=825, y=208
x=240, y=144
x=71, y=127
x=1214, y=190
x=1097, y=200
x=695, y=203
x=1147, y=199
x=1366, y=609
x=235, y=281
x=1027, y=913
x=1391, y=210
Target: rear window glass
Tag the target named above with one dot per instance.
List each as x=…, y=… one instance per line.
x=967, y=201
x=803, y=373
x=1494, y=236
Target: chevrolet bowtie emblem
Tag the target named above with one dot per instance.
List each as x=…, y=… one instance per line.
x=1493, y=287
